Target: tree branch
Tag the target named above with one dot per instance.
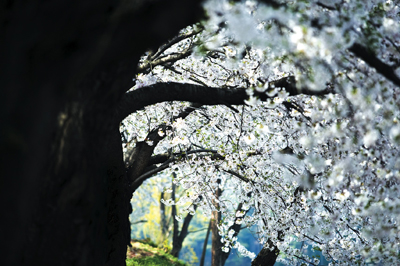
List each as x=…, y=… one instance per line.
x=138, y=222
x=140, y=158
x=198, y=230
x=303, y=259
x=165, y=159
x=139, y=180
x=325, y=6
x=244, y=179
x=180, y=73
x=155, y=59
x=161, y=158
x=370, y=58
x=171, y=91
x=165, y=59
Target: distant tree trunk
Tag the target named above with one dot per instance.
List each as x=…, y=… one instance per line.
x=203, y=253
x=179, y=236
x=163, y=220
x=216, y=249
x=266, y=257
x=175, y=230
x=236, y=226
x=64, y=67
x=178, y=242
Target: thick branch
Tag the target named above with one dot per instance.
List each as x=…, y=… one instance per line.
x=139, y=180
x=161, y=158
x=161, y=92
x=370, y=58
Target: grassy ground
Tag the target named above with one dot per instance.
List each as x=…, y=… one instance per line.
x=145, y=253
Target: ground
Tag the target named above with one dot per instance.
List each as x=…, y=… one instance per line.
x=144, y=253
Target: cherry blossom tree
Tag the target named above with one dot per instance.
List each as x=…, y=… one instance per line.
x=291, y=107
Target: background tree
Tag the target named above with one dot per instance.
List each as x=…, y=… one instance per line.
x=174, y=227
x=216, y=247
x=203, y=252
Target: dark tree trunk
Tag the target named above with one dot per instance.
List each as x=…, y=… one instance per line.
x=178, y=241
x=236, y=227
x=179, y=236
x=266, y=257
x=64, y=66
x=163, y=222
x=216, y=245
x=175, y=229
x=203, y=253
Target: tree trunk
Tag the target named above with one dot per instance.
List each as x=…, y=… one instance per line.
x=179, y=236
x=64, y=66
x=236, y=227
x=266, y=257
x=178, y=241
x=216, y=249
x=163, y=219
x=175, y=230
x=203, y=253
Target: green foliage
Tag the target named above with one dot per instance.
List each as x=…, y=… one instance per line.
x=189, y=255
x=150, y=261
x=166, y=245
